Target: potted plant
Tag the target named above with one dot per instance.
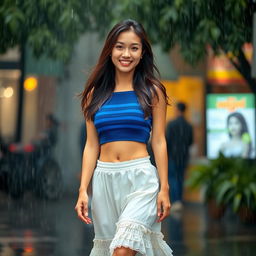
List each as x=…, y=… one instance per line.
x=210, y=176
x=238, y=189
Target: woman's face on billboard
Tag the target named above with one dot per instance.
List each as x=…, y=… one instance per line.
x=234, y=126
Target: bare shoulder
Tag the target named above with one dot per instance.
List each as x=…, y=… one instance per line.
x=158, y=96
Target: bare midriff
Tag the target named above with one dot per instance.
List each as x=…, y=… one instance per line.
x=119, y=151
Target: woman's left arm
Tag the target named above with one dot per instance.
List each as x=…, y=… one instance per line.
x=160, y=153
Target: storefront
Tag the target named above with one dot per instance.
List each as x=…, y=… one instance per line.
x=38, y=99
x=9, y=82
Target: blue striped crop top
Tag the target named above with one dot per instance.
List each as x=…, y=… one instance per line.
x=121, y=118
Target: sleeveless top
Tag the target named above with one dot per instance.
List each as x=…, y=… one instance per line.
x=121, y=118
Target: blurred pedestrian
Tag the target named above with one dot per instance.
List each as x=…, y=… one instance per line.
x=179, y=137
x=122, y=101
x=48, y=137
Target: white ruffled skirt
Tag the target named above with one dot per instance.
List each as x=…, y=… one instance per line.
x=124, y=209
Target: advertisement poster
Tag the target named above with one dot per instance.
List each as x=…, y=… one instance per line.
x=230, y=122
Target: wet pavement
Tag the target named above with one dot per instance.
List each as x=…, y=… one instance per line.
x=30, y=227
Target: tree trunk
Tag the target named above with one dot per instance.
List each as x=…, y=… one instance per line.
x=244, y=67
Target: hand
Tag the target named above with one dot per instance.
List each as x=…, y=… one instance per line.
x=163, y=205
x=82, y=207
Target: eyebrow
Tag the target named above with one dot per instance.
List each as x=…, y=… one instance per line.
x=118, y=42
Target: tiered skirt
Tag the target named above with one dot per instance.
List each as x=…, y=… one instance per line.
x=124, y=209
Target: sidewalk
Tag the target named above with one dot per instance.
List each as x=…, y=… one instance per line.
x=32, y=227
x=192, y=232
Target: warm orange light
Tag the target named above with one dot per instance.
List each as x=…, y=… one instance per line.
x=30, y=83
x=28, y=249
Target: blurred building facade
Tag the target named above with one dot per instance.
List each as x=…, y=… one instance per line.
x=9, y=80
x=57, y=88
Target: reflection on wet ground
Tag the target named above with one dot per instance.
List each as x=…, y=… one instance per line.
x=30, y=227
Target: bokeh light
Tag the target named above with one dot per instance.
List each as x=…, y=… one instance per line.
x=8, y=92
x=30, y=83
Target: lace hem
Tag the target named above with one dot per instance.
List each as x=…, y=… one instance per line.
x=141, y=239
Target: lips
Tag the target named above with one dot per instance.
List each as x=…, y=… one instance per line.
x=125, y=63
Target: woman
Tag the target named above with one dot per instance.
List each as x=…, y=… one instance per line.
x=121, y=102
x=239, y=144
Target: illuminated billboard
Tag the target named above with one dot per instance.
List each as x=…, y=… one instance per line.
x=230, y=123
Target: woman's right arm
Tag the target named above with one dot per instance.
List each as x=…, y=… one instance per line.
x=90, y=156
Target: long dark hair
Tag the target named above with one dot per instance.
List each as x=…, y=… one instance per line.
x=101, y=82
x=244, y=128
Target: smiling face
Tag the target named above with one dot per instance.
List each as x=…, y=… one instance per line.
x=127, y=52
x=234, y=126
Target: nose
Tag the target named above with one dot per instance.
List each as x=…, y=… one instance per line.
x=126, y=53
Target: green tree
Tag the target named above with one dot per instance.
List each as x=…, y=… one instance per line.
x=225, y=25
x=48, y=27
x=52, y=27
